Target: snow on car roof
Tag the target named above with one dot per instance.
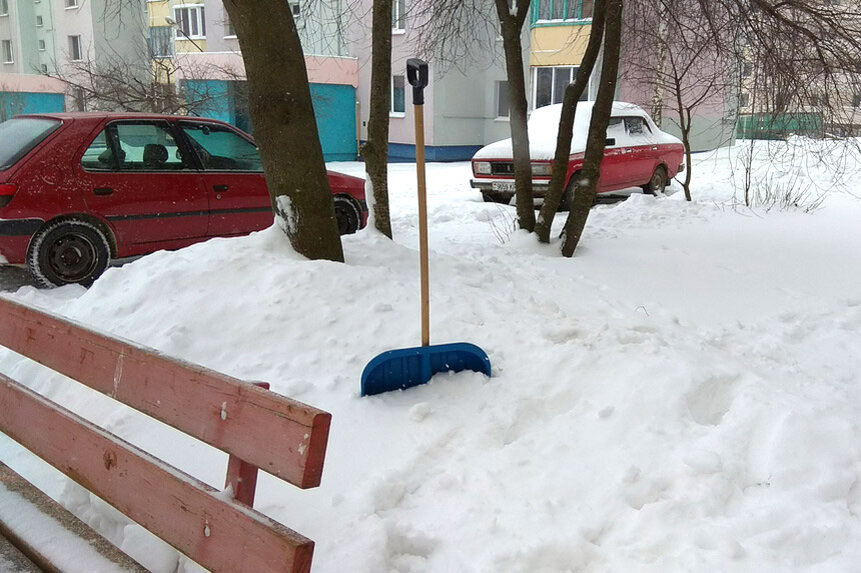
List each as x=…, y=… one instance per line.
x=544, y=125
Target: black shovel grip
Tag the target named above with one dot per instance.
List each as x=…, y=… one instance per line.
x=417, y=75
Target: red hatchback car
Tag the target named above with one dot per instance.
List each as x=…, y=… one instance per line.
x=80, y=189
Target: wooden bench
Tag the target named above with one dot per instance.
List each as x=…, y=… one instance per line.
x=257, y=428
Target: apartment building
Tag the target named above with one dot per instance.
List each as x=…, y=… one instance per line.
x=61, y=38
x=26, y=52
x=197, y=38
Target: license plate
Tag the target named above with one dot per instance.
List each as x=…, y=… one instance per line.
x=503, y=186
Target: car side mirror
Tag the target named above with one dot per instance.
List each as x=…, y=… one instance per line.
x=609, y=141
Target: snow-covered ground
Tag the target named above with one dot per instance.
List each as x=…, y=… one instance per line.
x=682, y=395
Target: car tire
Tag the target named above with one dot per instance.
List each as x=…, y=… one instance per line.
x=348, y=214
x=657, y=183
x=568, y=194
x=68, y=251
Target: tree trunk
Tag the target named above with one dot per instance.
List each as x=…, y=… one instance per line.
x=376, y=149
x=554, y=194
x=584, y=194
x=512, y=24
x=284, y=125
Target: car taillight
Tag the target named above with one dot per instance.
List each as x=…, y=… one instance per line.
x=7, y=191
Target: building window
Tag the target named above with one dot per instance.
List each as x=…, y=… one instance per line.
x=191, y=22
x=297, y=10
x=503, y=109
x=44, y=68
x=160, y=42
x=4, y=7
x=398, y=95
x=562, y=10
x=548, y=85
x=41, y=45
x=7, y=52
x=856, y=100
x=399, y=8
x=71, y=3
x=229, y=30
x=38, y=21
x=743, y=99
x=76, y=54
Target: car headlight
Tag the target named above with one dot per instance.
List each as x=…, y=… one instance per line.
x=541, y=168
x=482, y=167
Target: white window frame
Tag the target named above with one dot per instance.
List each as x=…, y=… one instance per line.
x=229, y=31
x=500, y=86
x=45, y=69
x=399, y=16
x=4, y=7
x=571, y=76
x=296, y=10
x=73, y=42
x=70, y=4
x=195, y=11
x=41, y=45
x=39, y=21
x=392, y=111
x=8, y=52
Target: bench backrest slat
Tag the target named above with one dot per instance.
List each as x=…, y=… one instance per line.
x=217, y=533
x=281, y=436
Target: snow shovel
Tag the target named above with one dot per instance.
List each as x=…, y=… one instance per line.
x=408, y=367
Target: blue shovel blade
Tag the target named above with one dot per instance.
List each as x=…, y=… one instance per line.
x=407, y=367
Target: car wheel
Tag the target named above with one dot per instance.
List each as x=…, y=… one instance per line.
x=68, y=252
x=658, y=182
x=348, y=214
x=565, y=201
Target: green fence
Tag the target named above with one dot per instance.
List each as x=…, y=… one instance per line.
x=779, y=126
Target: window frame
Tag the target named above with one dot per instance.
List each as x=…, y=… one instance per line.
x=501, y=86
x=392, y=111
x=399, y=16
x=70, y=4
x=4, y=8
x=199, y=18
x=41, y=45
x=75, y=41
x=543, y=11
x=8, y=54
x=572, y=75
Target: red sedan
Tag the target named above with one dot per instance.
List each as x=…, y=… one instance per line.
x=80, y=189
x=637, y=154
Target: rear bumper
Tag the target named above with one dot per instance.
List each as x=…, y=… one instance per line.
x=15, y=237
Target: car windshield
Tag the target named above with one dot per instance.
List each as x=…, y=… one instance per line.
x=19, y=135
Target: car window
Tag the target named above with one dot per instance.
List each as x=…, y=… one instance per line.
x=636, y=126
x=134, y=146
x=222, y=149
x=616, y=130
x=19, y=135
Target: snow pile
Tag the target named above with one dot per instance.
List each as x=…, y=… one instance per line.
x=683, y=394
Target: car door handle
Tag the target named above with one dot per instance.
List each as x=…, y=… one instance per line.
x=654, y=148
x=103, y=191
x=221, y=187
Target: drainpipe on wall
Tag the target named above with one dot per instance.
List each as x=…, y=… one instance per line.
x=358, y=131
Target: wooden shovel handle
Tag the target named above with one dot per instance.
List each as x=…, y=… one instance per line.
x=423, y=223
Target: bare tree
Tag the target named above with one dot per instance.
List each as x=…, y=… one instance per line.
x=554, y=195
x=281, y=109
x=586, y=185
x=688, y=66
x=376, y=149
x=512, y=16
